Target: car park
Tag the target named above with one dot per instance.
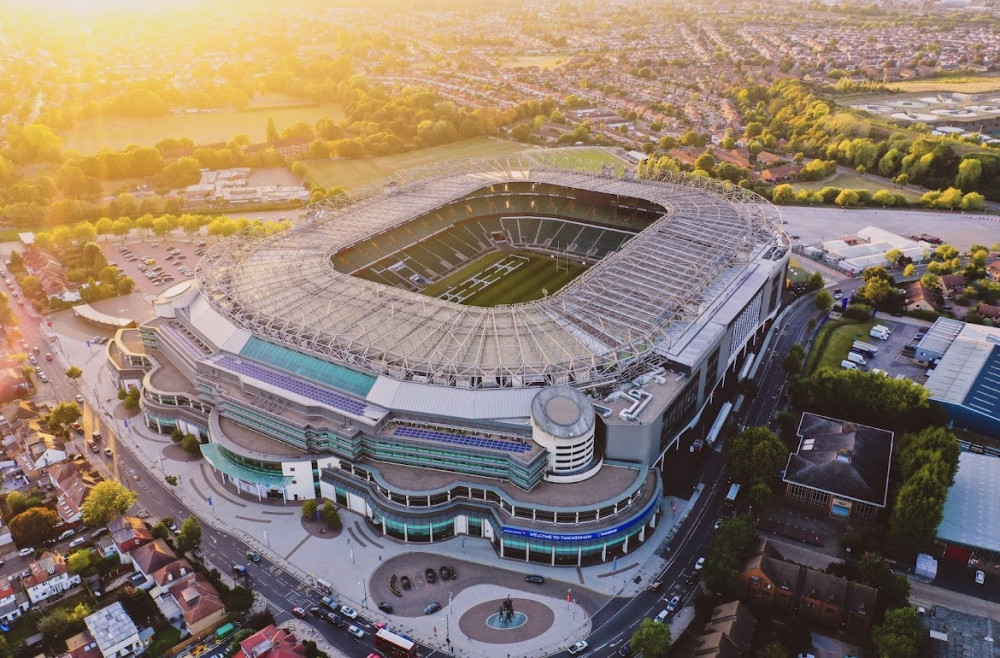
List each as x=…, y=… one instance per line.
x=355, y=631
x=385, y=607
x=578, y=648
x=348, y=612
x=432, y=608
x=534, y=578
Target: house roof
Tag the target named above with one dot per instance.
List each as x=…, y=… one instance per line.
x=49, y=565
x=172, y=572
x=151, y=557
x=271, y=642
x=196, y=598
x=128, y=528
x=842, y=458
x=728, y=633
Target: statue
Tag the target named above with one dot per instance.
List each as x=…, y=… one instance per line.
x=506, y=611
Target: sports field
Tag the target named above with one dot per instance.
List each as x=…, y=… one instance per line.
x=966, y=84
x=204, y=128
x=505, y=278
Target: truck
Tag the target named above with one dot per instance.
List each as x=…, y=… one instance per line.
x=864, y=349
x=734, y=492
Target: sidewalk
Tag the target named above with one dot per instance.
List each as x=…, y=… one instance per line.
x=275, y=529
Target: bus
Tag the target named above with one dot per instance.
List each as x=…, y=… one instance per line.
x=734, y=491
x=394, y=645
x=720, y=420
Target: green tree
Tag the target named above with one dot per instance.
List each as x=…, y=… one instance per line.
x=909, y=270
x=901, y=635
x=877, y=291
x=189, y=537
x=330, y=516
x=64, y=414
x=816, y=282
x=823, y=301
x=773, y=650
x=105, y=501
x=74, y=373
x=792, y=363
x=892, y=257
x=847, y=198
x=79, y=561
x=34, y=526
x=309, y=509
x=17, y=502
x=783, y=194
x=131, y=399
x=969, y=171
x=916, y=514
x=239, y=600
x=191, y=445
x=724, y=561
x=652, y=639
x=756, y=455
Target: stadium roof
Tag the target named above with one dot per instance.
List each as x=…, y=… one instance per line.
x=972, y=506
x=624, y=310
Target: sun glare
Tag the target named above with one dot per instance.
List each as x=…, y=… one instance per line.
x=99, y=7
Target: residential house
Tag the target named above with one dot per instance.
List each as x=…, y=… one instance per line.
x=128, y=533
x=951, y=285
x=271, y=642
x=73, y=487
x=770, y=582
x=151, y=558
x=13, y=602
x=988, y=311
x=200, y=605
x=993, y=270
x=841, y=467
x=49, y=576
x=920, y=298
x=728, y=634
x=780, y=173
x=115, y=633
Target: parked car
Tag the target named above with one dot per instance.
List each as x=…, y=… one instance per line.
x=534, y=578
x=334, y=619
x=253, y=556
x=700, y=564
x=445, y=573
x=76, y=542
x=980, y=577
x=25, y=552
x=674, y=602
x=385, y=607
x=66, y=534
x=79, y=398
x=432, y=608
x=626, y=649
x=404, y=581
x=429, y=575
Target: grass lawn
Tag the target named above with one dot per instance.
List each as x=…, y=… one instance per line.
x=796, y=274
x=352, y=174
x=529, y=281
x=117, y=132
x=854, y=182
x=163, y=641
x=967, y=84
x=834, y=342
x=584, y=158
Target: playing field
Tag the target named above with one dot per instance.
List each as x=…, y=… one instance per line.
x=505, y=278
x=204, y=128
x=969, y=84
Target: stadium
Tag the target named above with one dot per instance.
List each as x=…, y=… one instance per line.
x=496, y=348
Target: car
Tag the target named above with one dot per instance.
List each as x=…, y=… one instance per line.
x=626, y=649
x=534, y=578
x=404, y=581
x=43, y=377
x=429, y=575
x=299, y=612
x=102, y=531
x=700, y=564
x=48, y=356
x=445, y=573
x=33, y=360
x=25, y=552
x=143, y=514
x=329, y=603
x=79, y=398
x=355, y=631
x=172, y=526
x=385, y=607
x=980, y=577
x=579, y=647
x=66, y=534
x=76, y=542
x=432, y=608
x=674, y=602
x=109, y=452
x=315, y=611
x=655, y=586
x=348, y=612
x=334, y=619
x=253, y=556
x=718, y=522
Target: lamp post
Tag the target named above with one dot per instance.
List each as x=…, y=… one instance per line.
x=364, y=601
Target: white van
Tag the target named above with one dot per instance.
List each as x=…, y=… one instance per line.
x=854, y=357
x=848, y=365
x=662, y=617
x=879, y=333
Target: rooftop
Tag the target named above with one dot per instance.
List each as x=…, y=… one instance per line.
x=111, y=626
x=972, y=506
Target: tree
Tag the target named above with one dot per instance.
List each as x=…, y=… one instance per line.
x=309, y=509
x=892, y=257
x=816, y=282
x=189, y=537
x=131, y=399
x=901, y=635
x=262, y=619
x=756, y=455
x=877, y=291
x=724, y=561
x=34, y=526
x=847, y=198
x=823, y=301
x=191, y=445
x=783, y=194
x=917, y=513
x=239, y=600
x=74, y=373
x=79, y=561
x=773, y=650
x=909, y=270
x=652, y=639
x=106, y=500
x=330, y=516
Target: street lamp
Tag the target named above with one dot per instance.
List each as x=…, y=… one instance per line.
x=364, y=601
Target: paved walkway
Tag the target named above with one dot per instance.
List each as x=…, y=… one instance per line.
x=356, y=560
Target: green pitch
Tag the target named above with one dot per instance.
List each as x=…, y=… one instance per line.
x=506, y=278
